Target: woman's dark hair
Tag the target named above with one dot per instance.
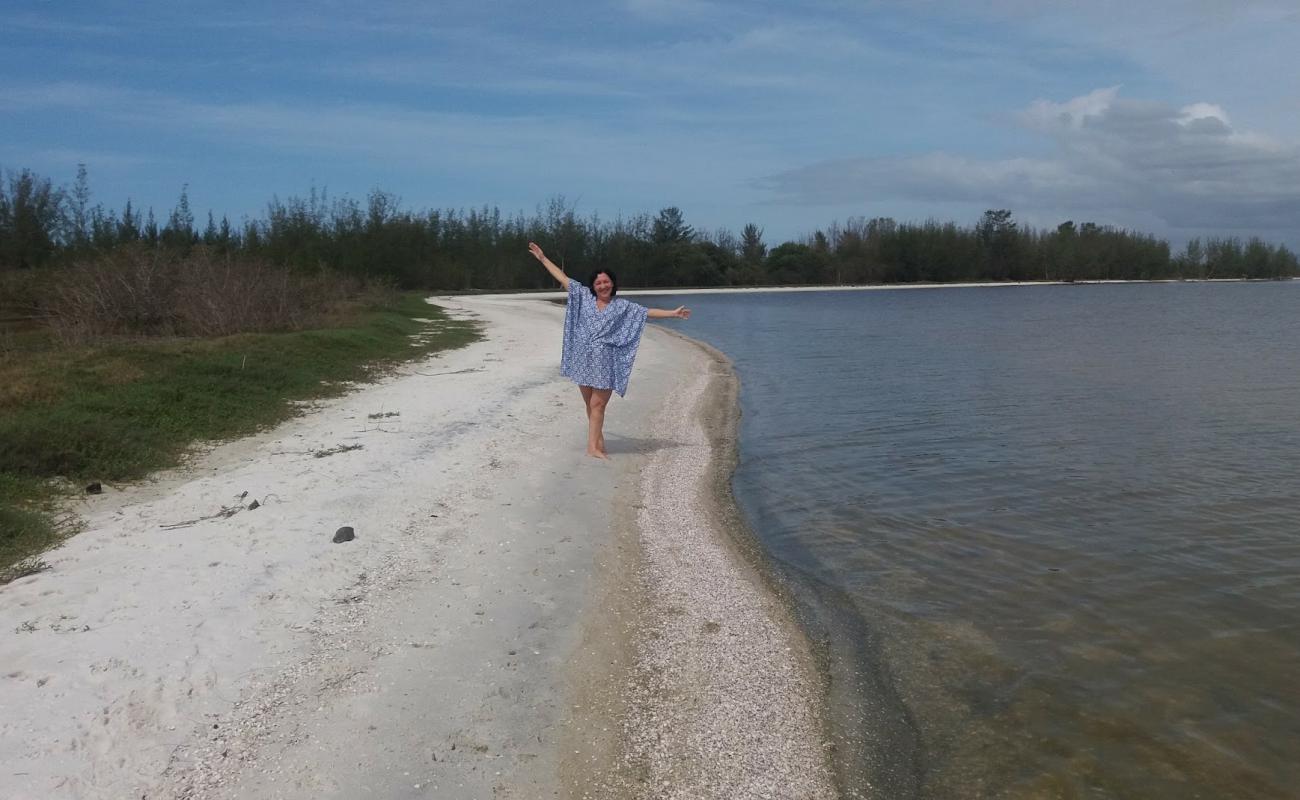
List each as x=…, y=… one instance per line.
x=591, y=282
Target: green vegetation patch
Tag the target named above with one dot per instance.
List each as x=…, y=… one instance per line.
x=117, y=411
x=27, y=526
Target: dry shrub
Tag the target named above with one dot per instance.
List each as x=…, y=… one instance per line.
x=21, y=291
x=142, y=291
x=128, y=291
x=218, y=296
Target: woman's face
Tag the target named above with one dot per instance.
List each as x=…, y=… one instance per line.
x=603, y=286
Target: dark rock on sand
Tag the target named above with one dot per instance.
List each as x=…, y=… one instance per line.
x=344, y=534
x=95, y=488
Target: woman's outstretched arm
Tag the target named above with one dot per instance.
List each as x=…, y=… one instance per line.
x=555, y=271
x=681, y=312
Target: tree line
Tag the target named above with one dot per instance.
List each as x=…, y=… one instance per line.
x=43, y=225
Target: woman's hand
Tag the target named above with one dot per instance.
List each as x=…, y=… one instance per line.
x=555, y=271
x=682, y=312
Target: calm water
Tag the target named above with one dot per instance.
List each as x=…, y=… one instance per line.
x=1050, y=534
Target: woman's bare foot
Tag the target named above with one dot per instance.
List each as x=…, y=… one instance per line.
x=598, y=454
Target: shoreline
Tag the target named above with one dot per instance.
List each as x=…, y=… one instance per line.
x=867, y=732
x=886, y=287
x=646, y=635
x=727, y=697
x=865, y=287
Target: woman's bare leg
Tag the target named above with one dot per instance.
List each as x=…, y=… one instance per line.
x=596, y=421
x=586, y=400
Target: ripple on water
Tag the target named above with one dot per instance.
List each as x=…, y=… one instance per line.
x=1065, y=518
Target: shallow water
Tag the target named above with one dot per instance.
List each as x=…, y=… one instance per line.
x=1059, y=526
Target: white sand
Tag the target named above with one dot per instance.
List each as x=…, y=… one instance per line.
x=465, y=645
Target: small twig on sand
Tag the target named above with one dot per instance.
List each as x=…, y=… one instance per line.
x=343, y=448
x=452, y=372
x=225, y=513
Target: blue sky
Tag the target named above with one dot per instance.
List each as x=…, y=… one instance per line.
x=1177, y=118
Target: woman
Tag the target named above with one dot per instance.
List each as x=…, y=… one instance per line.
x=601, y=335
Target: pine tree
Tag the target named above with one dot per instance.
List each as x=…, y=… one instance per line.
x=752, y=249
x=32, y=221
x=670, y=227
x=128, y=229
x=80, y=209
x=210, y=236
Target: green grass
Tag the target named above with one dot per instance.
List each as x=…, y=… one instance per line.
x=118, y=411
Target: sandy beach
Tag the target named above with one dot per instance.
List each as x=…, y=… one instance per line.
x=513, y=619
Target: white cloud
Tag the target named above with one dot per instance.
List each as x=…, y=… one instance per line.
x=68, y=159
x=1072, y=113
x=1189, y=115
x=1115, y=159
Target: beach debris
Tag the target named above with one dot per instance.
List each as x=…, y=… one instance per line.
x=343, y=448
x=344, y=534
x=242, y=495
x=452, y=372
x=23, y=569
x=95, y=488
x=254, y=505
x=384, y=414
x=226, y=512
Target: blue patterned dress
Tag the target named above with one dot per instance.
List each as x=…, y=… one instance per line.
x=600, y=344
